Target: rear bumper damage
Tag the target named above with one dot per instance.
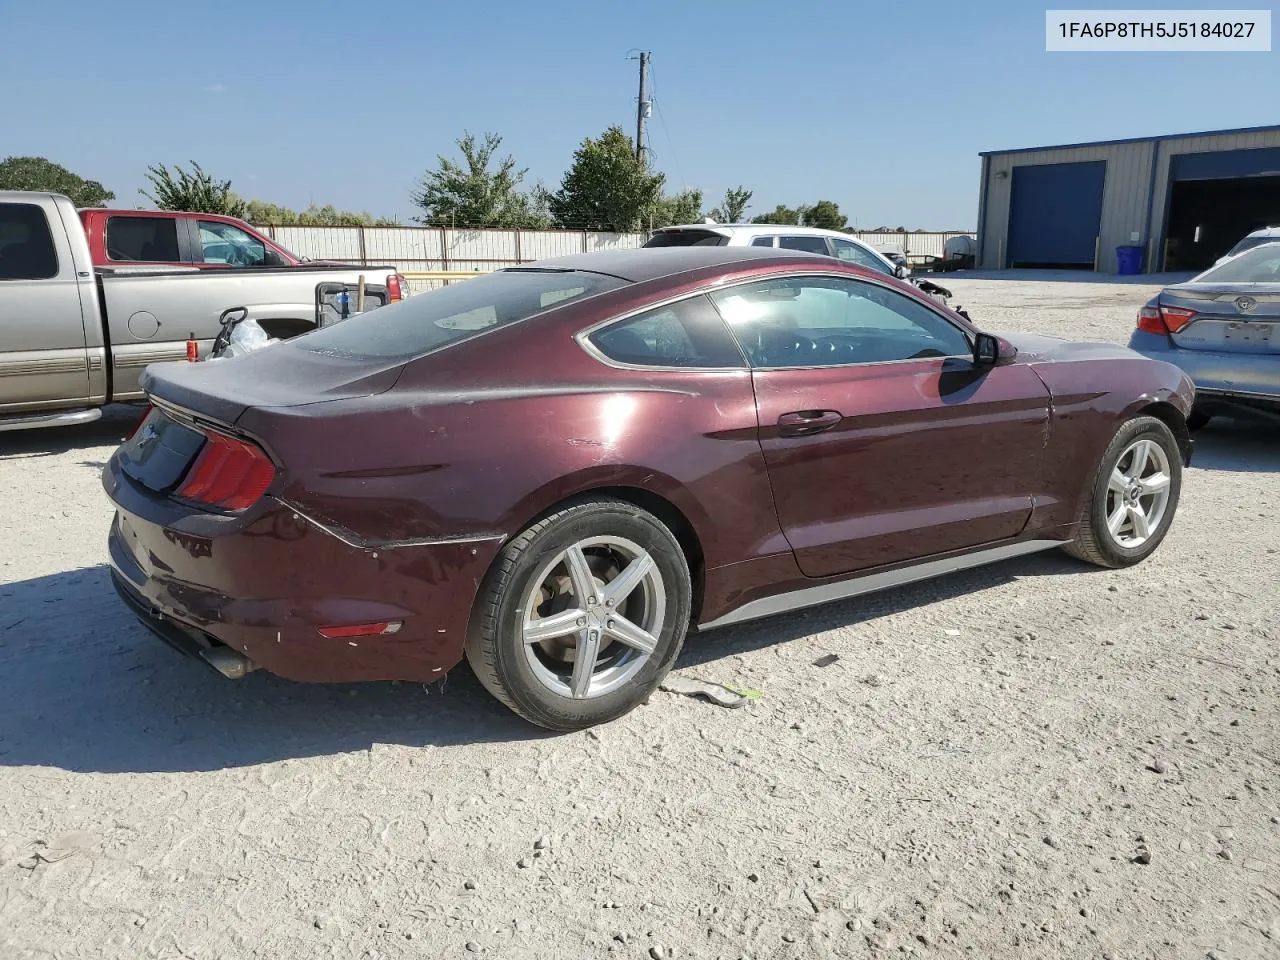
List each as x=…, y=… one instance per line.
x=254, y=592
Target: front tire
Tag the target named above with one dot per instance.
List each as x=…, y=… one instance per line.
x=1133, y=498
x=582, y=615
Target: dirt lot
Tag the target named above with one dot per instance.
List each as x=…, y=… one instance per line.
x=974, y=776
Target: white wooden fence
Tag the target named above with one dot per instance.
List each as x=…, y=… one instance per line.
x=415, y=249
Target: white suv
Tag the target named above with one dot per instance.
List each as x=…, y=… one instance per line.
x=1255, y=239
x=828, y=243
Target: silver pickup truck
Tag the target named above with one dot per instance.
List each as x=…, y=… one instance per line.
x=73, y=338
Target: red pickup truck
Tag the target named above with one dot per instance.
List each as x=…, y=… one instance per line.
x=205, y=241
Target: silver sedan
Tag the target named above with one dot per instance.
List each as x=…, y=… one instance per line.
x=1223, y=329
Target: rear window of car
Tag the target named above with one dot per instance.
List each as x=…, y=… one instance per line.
x=687, y=333
x=142, y=239
x=1248, y=243
x=687, y=238
x=1259, y=265
x=26, y=245
x=429, y=321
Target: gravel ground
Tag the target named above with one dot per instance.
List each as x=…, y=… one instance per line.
x=1038, y=759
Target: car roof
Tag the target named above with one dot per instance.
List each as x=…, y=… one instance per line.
x=757, y=229
x=652, y=263
x=1266, y=232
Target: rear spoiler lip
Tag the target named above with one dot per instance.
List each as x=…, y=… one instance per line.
x=179, y=400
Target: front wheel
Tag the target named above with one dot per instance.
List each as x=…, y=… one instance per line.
x=1133, y=498
x=582, y=615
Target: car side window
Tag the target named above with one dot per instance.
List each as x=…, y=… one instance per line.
x=816, y=245
x=222, y=243
x=26, y=244
x=687, y=333
x=852, y=253
x=763, y=241
x=142, y=239
x=825, y=321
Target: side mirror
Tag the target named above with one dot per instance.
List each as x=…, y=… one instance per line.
x=992, y=351
x=900, y=271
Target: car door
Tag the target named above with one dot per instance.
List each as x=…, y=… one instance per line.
x=883, y=440
x=43, y=354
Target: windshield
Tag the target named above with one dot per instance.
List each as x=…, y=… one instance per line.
x=461, y=310
x=1259, y=265
x=1248, y=243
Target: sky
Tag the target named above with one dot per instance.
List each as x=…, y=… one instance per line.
x=880, y=106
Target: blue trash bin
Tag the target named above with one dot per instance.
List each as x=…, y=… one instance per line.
x=1129, y=260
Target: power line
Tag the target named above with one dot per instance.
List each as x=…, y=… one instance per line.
x=662, y=120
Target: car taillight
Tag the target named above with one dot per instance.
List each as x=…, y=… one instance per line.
x=230, y=473
x=1175, y=318
x=395, y=288
x=1162, y=319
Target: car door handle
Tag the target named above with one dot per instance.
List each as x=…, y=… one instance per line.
x=804, y=422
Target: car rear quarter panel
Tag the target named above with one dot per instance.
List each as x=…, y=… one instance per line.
x=484, y=437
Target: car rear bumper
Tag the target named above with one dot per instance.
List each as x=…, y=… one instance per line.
x=1239, y=379
x=263, y=589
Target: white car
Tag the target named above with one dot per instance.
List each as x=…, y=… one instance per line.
x=1257, y=238
x=828, y=243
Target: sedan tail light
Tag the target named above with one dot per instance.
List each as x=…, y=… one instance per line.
x=1157, y=318
x=229, y=473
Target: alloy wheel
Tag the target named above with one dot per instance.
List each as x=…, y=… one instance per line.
x=1138, y=493
x=593, y=617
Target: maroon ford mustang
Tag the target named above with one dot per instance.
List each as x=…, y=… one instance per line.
x=555, y=470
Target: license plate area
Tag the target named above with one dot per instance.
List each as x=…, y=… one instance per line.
x=1259, y=333
x=159, y=452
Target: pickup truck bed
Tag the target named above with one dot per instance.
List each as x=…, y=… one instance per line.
x=73, y=338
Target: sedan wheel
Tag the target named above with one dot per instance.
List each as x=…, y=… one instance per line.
x=1138, y=493
x=582, y=615
x=593, y=616
x=1131, y=504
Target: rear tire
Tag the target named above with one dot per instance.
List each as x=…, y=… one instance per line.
x=599, y=578
x=1133, y=497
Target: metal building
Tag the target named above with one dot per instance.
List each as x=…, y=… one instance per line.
x=1184, y=199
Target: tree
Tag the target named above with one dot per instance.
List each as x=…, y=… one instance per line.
x=45, y=176
x=470, y=194
x=683, y=207
x=734, y=205
x=194, y=192
x=327, y=216
x=825, y=214
x=606, y=187
x=780, y=214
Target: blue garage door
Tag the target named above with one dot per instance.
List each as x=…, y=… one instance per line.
x=1055, y=213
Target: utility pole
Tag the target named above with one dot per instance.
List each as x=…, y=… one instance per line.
x=643, y=106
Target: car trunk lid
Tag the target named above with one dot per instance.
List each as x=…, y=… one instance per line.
x=282, y=375
x=1224, y=317
x=192, y=399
